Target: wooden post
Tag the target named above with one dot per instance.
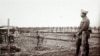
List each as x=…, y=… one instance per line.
x=8, y=27
x=8, y=37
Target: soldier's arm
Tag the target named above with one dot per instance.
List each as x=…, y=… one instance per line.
x=82, y=27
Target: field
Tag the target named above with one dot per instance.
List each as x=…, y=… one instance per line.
x=54, y=44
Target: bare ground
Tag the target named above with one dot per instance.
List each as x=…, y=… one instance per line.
x=54, y=45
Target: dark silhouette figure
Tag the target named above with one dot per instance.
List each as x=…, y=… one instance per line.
x=83, y=35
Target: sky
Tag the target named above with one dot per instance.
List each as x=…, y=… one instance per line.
x=48, y=13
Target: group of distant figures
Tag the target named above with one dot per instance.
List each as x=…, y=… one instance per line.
x=5, y=38
x=7, y=44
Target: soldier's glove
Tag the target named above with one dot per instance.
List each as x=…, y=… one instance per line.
x=74, y=36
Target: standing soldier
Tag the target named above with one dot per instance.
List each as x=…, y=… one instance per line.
x=11, y=38
x=5, y=36
x=83, y=35
x=1, y=38
x=38, y=40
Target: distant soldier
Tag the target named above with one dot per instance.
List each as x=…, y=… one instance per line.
x=38, y=38
x=5, y=37
x=1, y=38
x=11, y=38
x=83, y=35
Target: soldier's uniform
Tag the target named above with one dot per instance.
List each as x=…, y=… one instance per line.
x=83, y=35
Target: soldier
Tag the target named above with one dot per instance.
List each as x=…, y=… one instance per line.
x=1, y=38
x=11, y=38
x=38, y=40
x=82, y=35
x=5, y=36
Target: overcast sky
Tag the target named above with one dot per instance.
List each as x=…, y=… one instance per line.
x=44, y=13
